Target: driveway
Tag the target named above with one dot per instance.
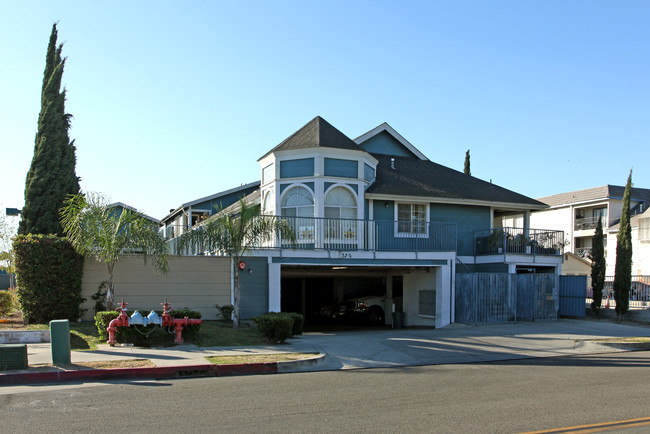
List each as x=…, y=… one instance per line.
x=459, y=343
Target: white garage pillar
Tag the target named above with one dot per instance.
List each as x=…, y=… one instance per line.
x=275, y=292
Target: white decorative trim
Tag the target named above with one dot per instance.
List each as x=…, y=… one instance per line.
x=385, y=127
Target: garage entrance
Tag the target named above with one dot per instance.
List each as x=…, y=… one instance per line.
x=341, y=296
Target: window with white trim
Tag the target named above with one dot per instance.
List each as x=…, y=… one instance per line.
x=412, y=219
x=340, y=215
x=267, y=205
x=644, y=229
x=298, y=202
x=340, y=204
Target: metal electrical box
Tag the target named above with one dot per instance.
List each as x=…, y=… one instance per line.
x=13, y=356
x=60, y=341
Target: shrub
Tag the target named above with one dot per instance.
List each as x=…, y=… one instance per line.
x=102, y=319
x=140, y=335
x=225, y=311
x=7, y=302
x=275, y=327
x=189, y=331
x=48, y=271
x=298, y=322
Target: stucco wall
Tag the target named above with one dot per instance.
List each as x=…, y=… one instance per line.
x=195, y=282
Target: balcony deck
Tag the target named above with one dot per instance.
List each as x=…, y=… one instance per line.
x=313, y=233
x=519, y=241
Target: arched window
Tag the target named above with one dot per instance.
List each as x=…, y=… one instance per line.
x=340, y=204
x=340, y=214
x=267, y=205
x=298, y=202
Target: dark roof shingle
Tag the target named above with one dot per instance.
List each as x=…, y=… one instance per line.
x=420, y=178
x=316, y=133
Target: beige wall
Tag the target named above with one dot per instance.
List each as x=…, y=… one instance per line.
x=195, y=282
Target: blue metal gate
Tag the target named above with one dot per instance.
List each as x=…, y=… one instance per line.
x=573, y=296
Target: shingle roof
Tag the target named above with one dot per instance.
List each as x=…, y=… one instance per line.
x=597, y=193
x=316, y=133
x=420, y=178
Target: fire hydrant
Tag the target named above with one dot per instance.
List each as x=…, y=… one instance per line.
x=165, y=320
x=178, y=323
x=121, y=321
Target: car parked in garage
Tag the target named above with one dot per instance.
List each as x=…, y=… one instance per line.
x=369, y=309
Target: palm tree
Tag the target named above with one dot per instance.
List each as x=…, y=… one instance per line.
x=107, y=233
x=235, y=235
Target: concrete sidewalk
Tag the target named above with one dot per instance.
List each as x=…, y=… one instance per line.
x=456, y=343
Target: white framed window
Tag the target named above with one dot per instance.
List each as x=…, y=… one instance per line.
x=298, y=203
x=267, y=205
x=644, y=229
x=412, y=220
x=340, y=203
x=340, y=214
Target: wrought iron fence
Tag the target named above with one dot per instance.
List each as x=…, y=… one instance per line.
x=313, y=233
x=519, y=241
x=639, y=292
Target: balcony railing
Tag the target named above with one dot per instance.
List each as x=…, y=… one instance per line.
x=583, y=252
x=519, y=241
x=313, y=233
x=586, y=223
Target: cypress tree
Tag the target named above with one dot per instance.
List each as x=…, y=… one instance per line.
x=598, y=267
x=466, y=169
x=51, y=176
x=623, y=268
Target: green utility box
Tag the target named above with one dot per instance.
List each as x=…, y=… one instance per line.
x=60, y=341
x=13, y=356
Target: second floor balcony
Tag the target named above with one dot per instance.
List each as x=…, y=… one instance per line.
x=312, y=233
x=519, y=241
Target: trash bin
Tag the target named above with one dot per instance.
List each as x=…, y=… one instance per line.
x=398, y=320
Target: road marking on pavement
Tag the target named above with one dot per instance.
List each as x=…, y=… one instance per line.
x=597, y=427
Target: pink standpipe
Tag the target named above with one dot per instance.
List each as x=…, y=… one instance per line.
x=166, y=321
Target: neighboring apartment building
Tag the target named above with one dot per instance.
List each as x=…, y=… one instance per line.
x=373, y=216
x=577, y=213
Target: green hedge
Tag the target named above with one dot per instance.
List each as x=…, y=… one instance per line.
x=279, y=326
x=7, y=302
x=140, y=335
x=48, y=273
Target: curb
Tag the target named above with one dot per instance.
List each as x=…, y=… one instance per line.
x=158, y=372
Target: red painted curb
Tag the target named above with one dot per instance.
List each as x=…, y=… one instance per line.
x=158, y=372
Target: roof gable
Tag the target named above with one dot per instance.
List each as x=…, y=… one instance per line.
x=385, y=140
x=317, y=133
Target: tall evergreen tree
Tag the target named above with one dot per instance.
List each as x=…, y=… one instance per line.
x=598, y=267
x=466, y=169
x=51, y=176
x=623, y=270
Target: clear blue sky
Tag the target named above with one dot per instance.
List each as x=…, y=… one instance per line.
x=173, y=101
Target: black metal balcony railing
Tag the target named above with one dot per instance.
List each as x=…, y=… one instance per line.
x=587, y=223
x=519, y=241
x=312, y=233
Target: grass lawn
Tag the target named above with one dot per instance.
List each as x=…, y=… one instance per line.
x=259, y=358
x=84, y=336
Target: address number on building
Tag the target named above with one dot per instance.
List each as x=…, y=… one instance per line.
x=345, y=255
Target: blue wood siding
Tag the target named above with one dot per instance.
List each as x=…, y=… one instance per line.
x=385, y=144
x=254, y=288
x=297, y=168
x=341, y=168
x=469, y=219
x=223, y=201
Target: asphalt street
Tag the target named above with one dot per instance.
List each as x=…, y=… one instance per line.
x=493, y=397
